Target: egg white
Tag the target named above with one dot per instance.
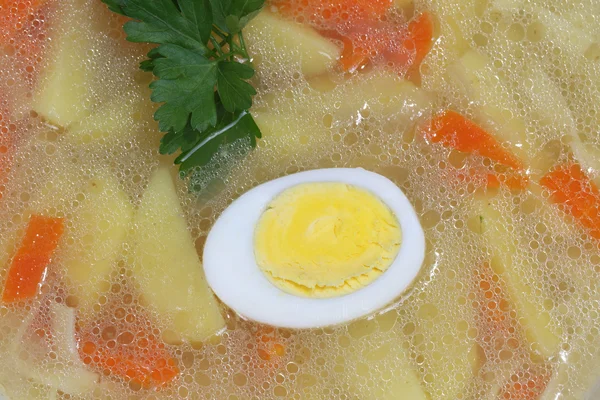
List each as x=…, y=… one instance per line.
x=233, y=274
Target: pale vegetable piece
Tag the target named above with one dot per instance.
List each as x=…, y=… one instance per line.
x=289, y=134
x=376, y=345
x=100, y=227
x=450, y=356
x=519, y=274
x=166, y=265
x=403, y=3
x=382, y=94
x=474, y=74
x=286, y=43
x=64, y=371
x=63, y=93
x=115, y=120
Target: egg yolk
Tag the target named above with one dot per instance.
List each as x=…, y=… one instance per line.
x=325, y=239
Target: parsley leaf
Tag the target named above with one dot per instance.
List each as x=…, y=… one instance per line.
x=236, y=94
x=201, y=69
x=186, y=87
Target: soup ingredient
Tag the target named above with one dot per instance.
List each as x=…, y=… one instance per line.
x=65, y=85
x=116, y=121
x=28, y=266
x=368, y=349
x=454, y=130
x=286, y=43
x=419, y=41
x=166, y=264
x=100, y=227
x=48, y=335
x=518, y=272
x=132, y=351
x=325, y=239
x=15, y=15
x=202, y=67
x=253, y=296
x=580, y=197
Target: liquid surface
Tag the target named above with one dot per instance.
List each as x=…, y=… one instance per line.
x=507, y=303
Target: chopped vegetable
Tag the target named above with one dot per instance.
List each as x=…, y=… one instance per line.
x=289, y=43
x=419, y=40
x=29, y=265
x=100, y=227
x=572, y=188
x=454, y=130
x=166, y=264
x=517, y=273
x=496, y=327
x=331, y=13
x=525, y=385
x=16, y=14
x=200, y=49
x=130, y=350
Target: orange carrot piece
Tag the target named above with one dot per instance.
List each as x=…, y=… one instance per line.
x=15, y=14
x=420, y=39
x=129, y=350
x=571, y=187
x=454, y=130
x=526, y=386
x=330, y=13
x=32, y=258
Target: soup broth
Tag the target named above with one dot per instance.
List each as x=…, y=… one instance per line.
x=505, y=305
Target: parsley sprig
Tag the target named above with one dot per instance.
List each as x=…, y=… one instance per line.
x=202, y=70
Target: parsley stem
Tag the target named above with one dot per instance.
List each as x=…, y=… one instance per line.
x=243, y=44
x=212, y=136
x=216, y=46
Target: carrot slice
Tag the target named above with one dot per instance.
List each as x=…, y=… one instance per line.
x=526, y=385
x=571, y=187
x=15, y=15
x=419, y=40
x=129, y=349
x=29, y=264
x=454, y=130
x=328, y=14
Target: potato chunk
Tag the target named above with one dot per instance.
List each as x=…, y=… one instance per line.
x=100, y=229
x=286, y=43
x=166, y=265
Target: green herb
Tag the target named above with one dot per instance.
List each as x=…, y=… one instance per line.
x=202, y=69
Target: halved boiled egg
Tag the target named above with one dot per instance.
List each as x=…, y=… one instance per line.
x=315, y=248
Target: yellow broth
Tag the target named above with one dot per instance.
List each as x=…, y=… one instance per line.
x=526, y=71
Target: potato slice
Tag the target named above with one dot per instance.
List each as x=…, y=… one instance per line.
x=286, y=43
x=63, y=93
x=474, y=75
x=166, y=265
x=118, y=119
x=450, y=356
x=99, y=230
x=374, y=354
x=519, y=273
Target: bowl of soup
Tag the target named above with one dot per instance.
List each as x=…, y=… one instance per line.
x=390, y=199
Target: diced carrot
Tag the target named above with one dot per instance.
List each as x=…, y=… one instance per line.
x=268, y=343
x=571, y=187
x=454, y=130
x=130, y=350
x=328, y=14
x=493, y=306
x=15, y=14
x=512, y=180
x=29, y=264
x=526, y=384
x=419, y=40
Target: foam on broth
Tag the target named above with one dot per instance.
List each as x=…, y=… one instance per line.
x=330, y=120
